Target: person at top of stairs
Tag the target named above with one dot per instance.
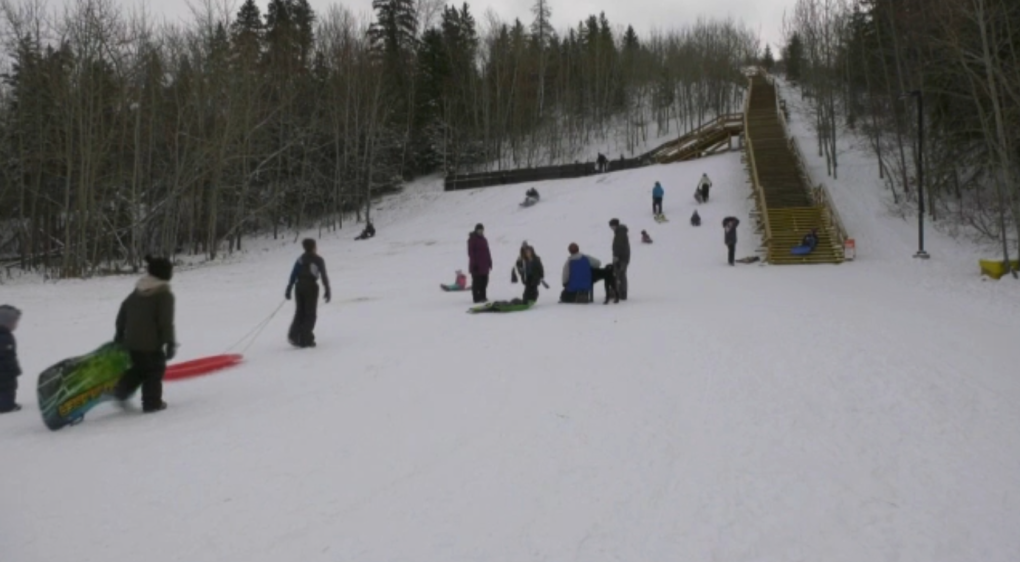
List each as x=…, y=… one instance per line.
x=657, y=193
x=703, y=186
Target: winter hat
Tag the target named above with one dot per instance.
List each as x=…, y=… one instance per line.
x=160, y=268
x=614, y=222
x=479, y=227
x=9, y=316
x=573, y=249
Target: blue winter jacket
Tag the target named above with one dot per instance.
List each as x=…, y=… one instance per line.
x=577, y=272
x=657, y=191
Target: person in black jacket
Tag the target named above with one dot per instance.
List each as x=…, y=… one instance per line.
x=730, y=225
x=10, y=370
x=368, y=232
x=529, y=268
x=621, y=257
x=145, y=327
x=304, y=282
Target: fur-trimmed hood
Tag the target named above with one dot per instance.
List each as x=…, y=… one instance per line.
x=149, y=285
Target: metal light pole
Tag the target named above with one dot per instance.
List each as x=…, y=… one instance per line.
x=920, y=175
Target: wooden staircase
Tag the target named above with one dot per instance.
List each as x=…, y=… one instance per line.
x=786, y=205
x=711, y=138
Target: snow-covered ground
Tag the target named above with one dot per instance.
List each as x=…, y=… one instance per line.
x=852, y=413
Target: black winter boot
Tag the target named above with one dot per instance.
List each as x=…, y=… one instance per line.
x=157, y=408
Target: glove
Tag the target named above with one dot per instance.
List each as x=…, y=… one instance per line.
x=171, y=351
x=327, y=296
x=287, y=294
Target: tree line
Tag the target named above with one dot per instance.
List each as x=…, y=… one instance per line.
x=120, y=136
x=865, y=65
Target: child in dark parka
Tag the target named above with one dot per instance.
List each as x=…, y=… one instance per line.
x=10, y=370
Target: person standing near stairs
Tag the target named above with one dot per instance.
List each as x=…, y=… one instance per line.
x=730, y=225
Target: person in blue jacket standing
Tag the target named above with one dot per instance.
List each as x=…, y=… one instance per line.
x=657, y=193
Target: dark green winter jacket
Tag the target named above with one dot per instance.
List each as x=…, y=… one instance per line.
x=146, y=318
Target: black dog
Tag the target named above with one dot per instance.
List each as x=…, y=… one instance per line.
x=608, y=275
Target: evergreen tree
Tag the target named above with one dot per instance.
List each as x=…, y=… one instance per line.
x=246, y=34
x=793, y=57
x=767, y=59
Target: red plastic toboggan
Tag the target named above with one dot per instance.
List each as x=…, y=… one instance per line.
x=203, y=366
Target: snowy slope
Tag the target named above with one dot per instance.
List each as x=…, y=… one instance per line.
x=728, y=414
x=877, y=225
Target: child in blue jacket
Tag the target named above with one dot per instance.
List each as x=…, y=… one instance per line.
x=9, y=368
x=657, y=194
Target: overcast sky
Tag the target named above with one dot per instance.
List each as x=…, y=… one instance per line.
x=764, y=16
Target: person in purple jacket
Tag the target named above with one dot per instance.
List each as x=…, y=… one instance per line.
x=479, y=263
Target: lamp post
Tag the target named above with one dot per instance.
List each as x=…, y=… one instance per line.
x=920, y=175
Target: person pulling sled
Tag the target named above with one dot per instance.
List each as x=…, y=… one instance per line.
x=304, y=286
x=645, y=238
x=145, y=328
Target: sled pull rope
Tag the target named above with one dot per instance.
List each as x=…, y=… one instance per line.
x=255, y=332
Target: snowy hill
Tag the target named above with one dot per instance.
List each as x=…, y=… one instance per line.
x=830, y=413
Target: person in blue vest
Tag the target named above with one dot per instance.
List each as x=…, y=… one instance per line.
x=577, y=276
x=657, y=194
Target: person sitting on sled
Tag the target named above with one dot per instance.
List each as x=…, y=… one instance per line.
x=645, y=238
x=810, y=239
x=695, y=219
x=530, y=198
x=369, y=232
x=461, y=282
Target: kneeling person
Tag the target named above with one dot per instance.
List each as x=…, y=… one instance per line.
x=577, y=276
